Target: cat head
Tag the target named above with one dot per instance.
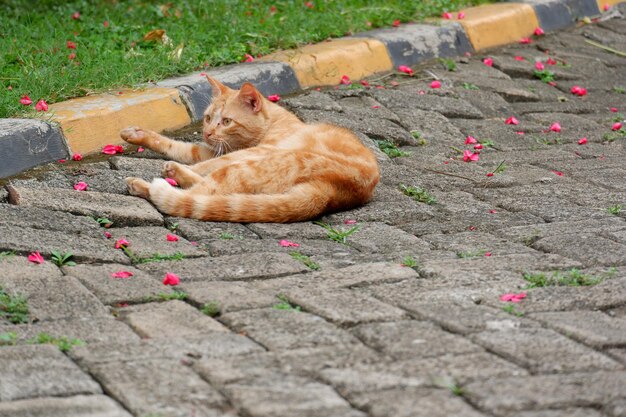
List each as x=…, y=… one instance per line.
x=235, y=119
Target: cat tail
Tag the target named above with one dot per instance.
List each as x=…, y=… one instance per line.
x=302, y=202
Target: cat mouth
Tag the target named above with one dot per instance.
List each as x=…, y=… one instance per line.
x=220, y=146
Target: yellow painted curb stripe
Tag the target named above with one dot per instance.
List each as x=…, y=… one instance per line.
x=325, y=63
x=498, y=24
x=89, y=123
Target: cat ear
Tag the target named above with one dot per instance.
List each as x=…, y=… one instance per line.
x=217, y=87
x=251, y=96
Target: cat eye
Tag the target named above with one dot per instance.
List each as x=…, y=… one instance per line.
x=226, y=121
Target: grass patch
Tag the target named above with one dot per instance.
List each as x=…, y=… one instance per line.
x=391, y=149
x=470, y=86
x=104, y=222
x=6, y=254
x=111, y=51
x=305, y=260
x=510, y=308
x=547, y=140
x=409, y=262
x=613, y=136
x=64, y=343
x=448, y=63
x=211, y=309
x=175, y=295
x=285, y=304
x=8, y=338
x=13, y=308
x=571, y=278
x=471, y=254
x=616, y=209
x=62, y=259
x=619, y=90
x=338, y=235
x=418, y=194
x=157, y=257
x=546, y=76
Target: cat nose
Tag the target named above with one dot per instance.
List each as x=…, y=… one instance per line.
x=207, y=135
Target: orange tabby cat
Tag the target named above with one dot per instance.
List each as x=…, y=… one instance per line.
x=259, y=163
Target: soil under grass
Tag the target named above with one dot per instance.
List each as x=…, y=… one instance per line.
x=36, y=38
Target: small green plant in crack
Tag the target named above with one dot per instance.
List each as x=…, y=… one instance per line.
x=571, y=278
x=338, y=235
x=64, y=343
x=456, y=389
x=448, y=63
x=226, y=236
x=510, y=308
x=618, y=118
x=167, y=296
x=305, y=260
x=62, y=259
x=471, y=254
x=13, y=308
x=616, y=209
x=470, y=86
x=285, y=304
x=8, y=338
x=104, y=222
x=488, y=143
x=619, y=90
x=173, y=227
x=545, y=76
x=418, y=194
x=391, y=149
x=156, y=257
x=547, y=140
x=409, y=262
x=212, y=309
x=613, y=136
x=6, y=254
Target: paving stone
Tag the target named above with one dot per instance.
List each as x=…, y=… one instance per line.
x=75, y=406
x=226, y=247
x=591, y=250
x=286, y=329
x=228, y=296
x=84, y=248
x=616, y=408
x=543, y=351
x=159, y=386
x=476, y=244
x=592, y=328
x=432, y=126
x=111, y=291
x=214, y=345
x=490, y=104
x=104, y=180
x=414, y=402
x=381, y=238
x=386, y=212
x=567, y=412
x=123, y=210
x=149, y=241
x=350, y=381
x=293, y=231
x=41, y=371
x=410, y=339
x=171, y=319
x=509, y=90
x=195, y=230
x=344, y=307
x=50, y=295
x=530, y=234
x=507, y=395
x=312, y=100
x=87, y=329
x=228, y=268
x=36, y=218
x=147, y=167
x=522, y=69
x=449, y=107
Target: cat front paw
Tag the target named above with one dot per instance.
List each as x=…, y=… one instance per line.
x=138, y=187
x=134, y=135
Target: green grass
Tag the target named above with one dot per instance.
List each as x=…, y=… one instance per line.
x=156, y=257
x=470, y=86
x=64, y=343
x=305, y=260
x=285, y=304
x=212, y=309
x=616, y=209
x=8, y=338
x=471, y=254
x=510, y=308
x=571, y=278
x=409, y=262
x=546, y=76
x=418, y=194
x=175, y=295
x=13, y=308
x=34, y=58
x=391, y=149
x=6, y=254
x=338, y=235
x=62, y=259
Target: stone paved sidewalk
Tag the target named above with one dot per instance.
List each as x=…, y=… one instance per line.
x=404, y=319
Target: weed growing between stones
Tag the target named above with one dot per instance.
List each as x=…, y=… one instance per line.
x=613, y=136
x=6, y=254
x=409, y=262
x=418, y=194
x=616, y=209
x=8, y=338
x=338, y=235
x=211, y=309
x=510, y=308
x=157, y=257
x=391, y=149
x=227, y=236
x=619, y=90
x=13, y=308
x=64, y=343
x=471, y=254
x=285, y=304
x=546, y=76
x=470, y=86
x=305, y=260
x=62, y=259
x=448, y=63
x=571, y=278
x=175, y=295
x=104, y=222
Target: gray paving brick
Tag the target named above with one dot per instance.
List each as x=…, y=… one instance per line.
x=148, y=241
x=75, y=406
x=41, y=371
x=36, y=218
x=449, y=107
x=195, y=230
x=566, y=412
x=229, y=296
x=591, y=250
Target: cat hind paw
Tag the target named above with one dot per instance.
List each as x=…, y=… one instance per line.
x=134, y=135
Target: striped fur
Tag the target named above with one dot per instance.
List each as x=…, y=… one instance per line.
x=258, y=163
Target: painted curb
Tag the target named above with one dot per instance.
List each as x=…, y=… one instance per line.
x=27, y=143
x=268, y=77
x=89, y=123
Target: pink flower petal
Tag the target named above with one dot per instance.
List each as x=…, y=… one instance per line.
x=578, y=91
x=365, y=83
x=557, y=173
x=36, y=258
x=108, y=235
x=105, y=23
x=507, y=297
x=76, y=16
x=487, y=254
x=121, y=243
x=613, y=109
x=248, y=58
x=80, y=186
x=396, y=23
x=77, y=157
x=109, y=149
x=551, y=61
x=478, y=146
x=405, y=69
x=511, y=121
x=172, y=182
x=25, y=100
x=435, y=84
x=616, y=126
x=470, y=140
x=171, y=279
x=539, y=32
x=555, y=127
x=41, y=105
x=606, y=7
x=288, y=244
x=171, y=238
x=140, y=149
x=490, y=174
x=274, y=98
x=345, y=80
x=71, y=56
x=460, y=16
x=468, y=156
x=119, y=149
x=447, y=15
x=513, y=298
x=539, y=66
x=551, y=83
x=122, y=274
x=492, y=212
x=519, y=58
x=71, y=45
x=521, y=133
x=488, y=62
x=525, y=41
x=349, y=221
x=583, y=141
